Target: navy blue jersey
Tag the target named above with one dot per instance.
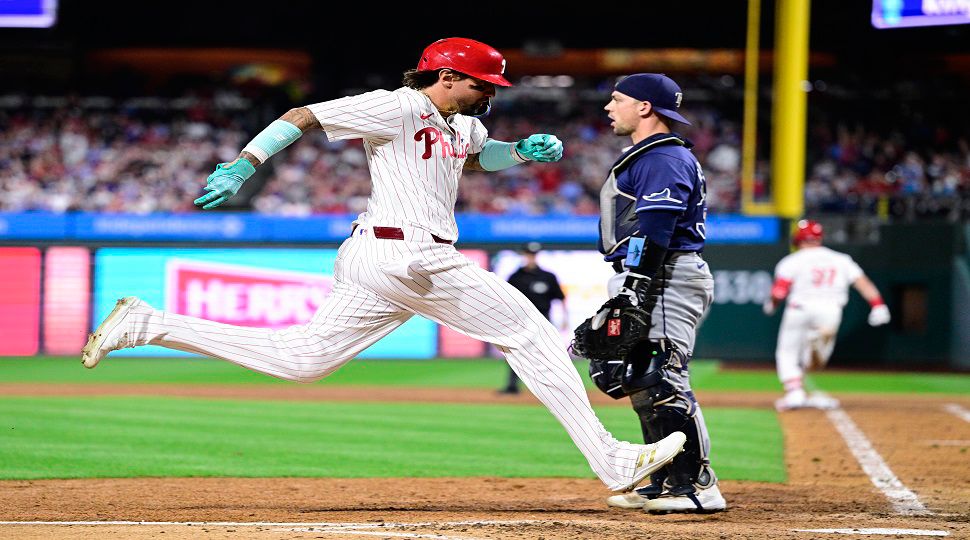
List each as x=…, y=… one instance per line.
x=658, y=174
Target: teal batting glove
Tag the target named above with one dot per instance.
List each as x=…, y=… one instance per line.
x=541, y=147
x=225, y=182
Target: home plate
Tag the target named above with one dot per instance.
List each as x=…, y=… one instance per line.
x=887, y=532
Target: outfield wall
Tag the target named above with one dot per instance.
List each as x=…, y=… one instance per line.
x=916, y=267
x=56, y=289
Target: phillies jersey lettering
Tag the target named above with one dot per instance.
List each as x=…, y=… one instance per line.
x=415, y=155
x=818, y=275
x=431, y=135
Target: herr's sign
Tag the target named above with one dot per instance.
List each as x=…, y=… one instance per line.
x=243, y=295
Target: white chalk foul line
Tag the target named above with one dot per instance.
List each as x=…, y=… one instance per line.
x=888, y=532
x=957, y=410
x=903, y=500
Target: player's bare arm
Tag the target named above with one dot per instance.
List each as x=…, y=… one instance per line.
x=879, y=312
x=302, y=118
x=866, y=288
x=253, y=160
x=225, y=182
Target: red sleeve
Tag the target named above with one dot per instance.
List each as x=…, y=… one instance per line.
x=780, y=289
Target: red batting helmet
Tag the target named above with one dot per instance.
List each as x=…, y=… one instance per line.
x=466, y=56
x=807, y=230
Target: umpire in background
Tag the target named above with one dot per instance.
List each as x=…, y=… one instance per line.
x=540, y=287
x=652, y=229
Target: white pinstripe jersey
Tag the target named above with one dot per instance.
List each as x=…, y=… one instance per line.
x=414, y=154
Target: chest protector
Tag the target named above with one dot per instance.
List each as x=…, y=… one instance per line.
x=618, y=217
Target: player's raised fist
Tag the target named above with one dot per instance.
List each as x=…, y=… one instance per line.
x=225, y=182
x=541, y=147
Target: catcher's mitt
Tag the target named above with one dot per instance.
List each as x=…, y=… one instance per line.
x=613, y=332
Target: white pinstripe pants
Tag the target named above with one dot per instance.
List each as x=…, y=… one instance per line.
x=372, y=297
x=801, y=325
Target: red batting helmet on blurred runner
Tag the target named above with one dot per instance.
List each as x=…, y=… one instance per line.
x=466, y=56
x=807, y=230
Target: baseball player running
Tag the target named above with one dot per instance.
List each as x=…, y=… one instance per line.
x=652, y=228
x=400, y=259
x=816, y=280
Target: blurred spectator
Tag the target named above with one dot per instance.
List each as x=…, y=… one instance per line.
x=153, y=155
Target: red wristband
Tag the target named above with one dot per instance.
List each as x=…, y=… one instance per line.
x=876, y=302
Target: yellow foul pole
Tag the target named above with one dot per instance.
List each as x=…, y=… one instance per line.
x=788, y=112
x=749, y=133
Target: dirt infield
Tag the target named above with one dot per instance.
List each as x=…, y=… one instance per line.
x=926, y=445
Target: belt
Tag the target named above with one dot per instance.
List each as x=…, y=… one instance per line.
x=396, y=233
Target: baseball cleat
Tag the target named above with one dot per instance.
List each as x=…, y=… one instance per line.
x=632, y=499
x=822, y=401
x=654, y=456
x=110, y=335
x=703, y=501
x=636, y=498
x=799, y=400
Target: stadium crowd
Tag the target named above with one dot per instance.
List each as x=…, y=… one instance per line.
x=135, y=158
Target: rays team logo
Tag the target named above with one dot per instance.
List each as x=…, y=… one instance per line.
x=433, y=136
x=243, y=295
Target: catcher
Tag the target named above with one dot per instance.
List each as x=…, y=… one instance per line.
x=652, y=214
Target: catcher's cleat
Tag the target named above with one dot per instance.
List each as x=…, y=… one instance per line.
x=703, y=501
x=654, y=456
x=111, y=334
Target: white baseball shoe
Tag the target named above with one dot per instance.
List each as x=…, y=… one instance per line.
x=631, y=499
x=703, y=501
x=798, y=399
x=111, y=334
x=654, y=456
x=822, y=401
x=795, y=399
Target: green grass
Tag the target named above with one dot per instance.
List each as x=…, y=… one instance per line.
x=69, y=437
x=148, y=436
x=478, y=373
